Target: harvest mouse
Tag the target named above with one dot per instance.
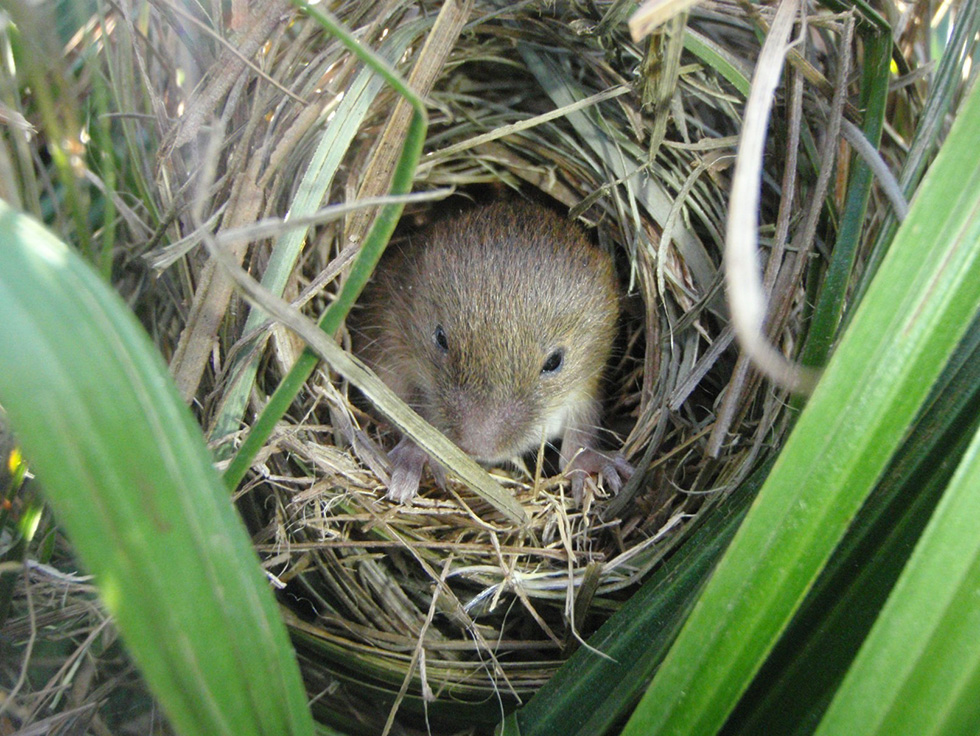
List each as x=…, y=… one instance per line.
x=495, y=325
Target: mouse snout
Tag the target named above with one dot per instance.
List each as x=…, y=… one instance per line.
x=489, y=432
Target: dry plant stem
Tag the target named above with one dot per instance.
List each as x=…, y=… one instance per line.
x=746, y=297
x=676, y=212
x=533, y=175
x=214, y=290
x=236, y=50
x=212, y=296
x=651, y=355
x=432, y=58
x=67, y=670
x=258, y=26
x=790, y=174
x=788, y=277
x=800, y=63
x=272, y=226
x=683, y=390
x=737, y=387
x=418, y=656
x=447, y=547
x=804, y=238
x=665, y=49
x=886, y=179
x=431, y=159
x=28, y=650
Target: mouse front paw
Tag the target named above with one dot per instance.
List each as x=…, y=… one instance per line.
x=588, y=461
x=407, y=461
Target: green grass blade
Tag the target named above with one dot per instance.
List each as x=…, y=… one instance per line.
x=360, y=271
x=830, y=304
x=918, y=672
x=127, y=473
x=944, y=88
x=314, y=188
x=926, y=293
x=719, y=59
x=795, y=686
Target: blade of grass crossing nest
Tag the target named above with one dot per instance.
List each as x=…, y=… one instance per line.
x=742, y=271
x=384, y=399
x=433, y=158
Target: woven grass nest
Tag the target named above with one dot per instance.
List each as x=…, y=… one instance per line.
x=445, y=604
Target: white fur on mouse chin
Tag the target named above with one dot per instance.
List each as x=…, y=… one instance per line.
x=466, y=322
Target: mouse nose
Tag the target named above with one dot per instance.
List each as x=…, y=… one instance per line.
x=486, y=433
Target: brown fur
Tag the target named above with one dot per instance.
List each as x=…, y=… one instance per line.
x=509, y=284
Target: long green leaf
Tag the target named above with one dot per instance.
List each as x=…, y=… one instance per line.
x=793, y=689
x=924, y=296
x=918, y=672
x=125, y=468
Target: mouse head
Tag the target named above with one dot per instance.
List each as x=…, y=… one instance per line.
x=507, y=317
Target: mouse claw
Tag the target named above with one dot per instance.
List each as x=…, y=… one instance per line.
x=614, y=469
x=439, y=476
x=578, y=484
x=407, y=462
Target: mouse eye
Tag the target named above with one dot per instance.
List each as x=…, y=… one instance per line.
x=440, y=339
x=554, y=362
